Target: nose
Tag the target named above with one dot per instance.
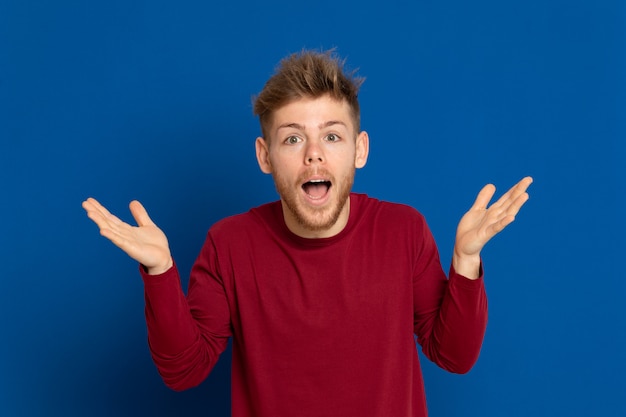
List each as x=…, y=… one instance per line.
x=313, y=154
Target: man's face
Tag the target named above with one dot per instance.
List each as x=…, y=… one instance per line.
x=312, y=154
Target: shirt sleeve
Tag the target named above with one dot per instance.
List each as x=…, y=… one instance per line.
x=186, y=334
x=450, y=315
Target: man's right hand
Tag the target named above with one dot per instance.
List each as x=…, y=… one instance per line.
x=145, y=243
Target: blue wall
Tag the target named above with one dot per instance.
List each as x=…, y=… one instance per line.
x=151, y=100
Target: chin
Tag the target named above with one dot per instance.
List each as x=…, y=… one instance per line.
x=318, y=223
x=318, y=219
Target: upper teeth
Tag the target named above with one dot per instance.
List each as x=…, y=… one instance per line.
x=317, y=181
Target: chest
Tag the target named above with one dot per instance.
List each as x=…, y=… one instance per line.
x=339, y=288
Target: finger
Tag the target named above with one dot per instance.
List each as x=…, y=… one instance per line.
x=500, y=225
x=484, y=196
x=96, y=212
x=521, y=187
x=517, y=204
x=140, y=214
x=93, y=206
x=513, y=193
x=120, y=233
x=507, y=217
x=111, y=227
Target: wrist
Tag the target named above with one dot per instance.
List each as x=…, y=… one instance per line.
x=466, y=265
x=160, y=269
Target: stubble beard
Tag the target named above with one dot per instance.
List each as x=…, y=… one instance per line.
x=314, y=219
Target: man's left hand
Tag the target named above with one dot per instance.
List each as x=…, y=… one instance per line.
x=481, y=223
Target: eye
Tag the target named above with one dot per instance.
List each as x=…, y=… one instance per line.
x=291, y=140
x=331, y=137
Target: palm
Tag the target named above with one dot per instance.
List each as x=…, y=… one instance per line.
x=145, y=243
x=480, y=223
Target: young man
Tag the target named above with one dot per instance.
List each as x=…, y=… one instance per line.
x=324, y=290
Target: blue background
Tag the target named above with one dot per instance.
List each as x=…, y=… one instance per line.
x=152, y=100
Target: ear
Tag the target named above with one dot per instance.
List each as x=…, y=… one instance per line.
x=263, y=155
x=362, y=149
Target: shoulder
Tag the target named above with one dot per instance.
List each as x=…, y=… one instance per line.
x=238, y=226
x=392, y=227
x=388, y=212
x=393, y=223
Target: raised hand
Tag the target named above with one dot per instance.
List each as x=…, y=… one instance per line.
x=145, y=243
x=481, y=223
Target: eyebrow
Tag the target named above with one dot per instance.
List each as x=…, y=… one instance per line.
x=302, y=127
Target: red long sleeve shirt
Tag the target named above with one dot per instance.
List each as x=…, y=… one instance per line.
x=320, y=327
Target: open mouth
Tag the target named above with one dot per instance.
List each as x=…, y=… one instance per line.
x=316, y=189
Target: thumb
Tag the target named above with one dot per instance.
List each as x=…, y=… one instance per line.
x=140, y=214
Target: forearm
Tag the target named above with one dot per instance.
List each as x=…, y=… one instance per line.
x=170, y=326
x=182, y=356
x=458, y=331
